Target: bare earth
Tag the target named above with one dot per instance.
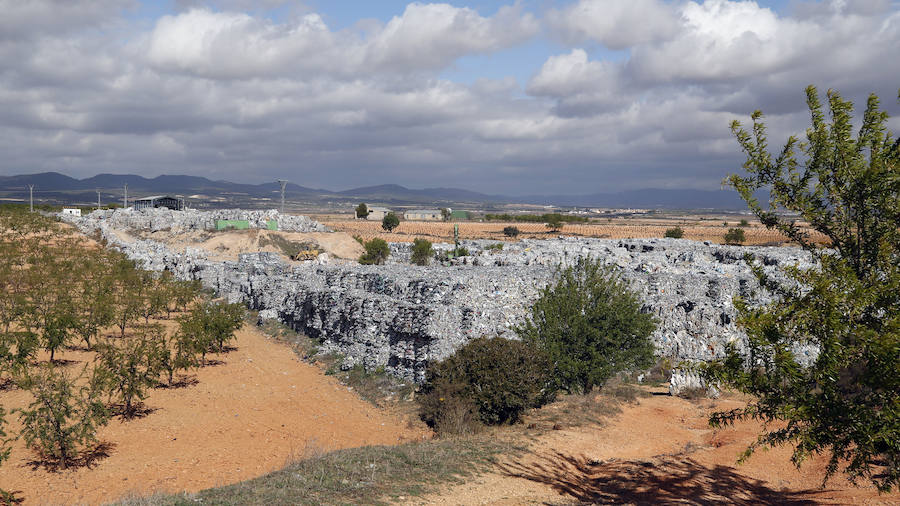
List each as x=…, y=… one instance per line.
x=244, y=418
x=619, y=228
x=660, y=451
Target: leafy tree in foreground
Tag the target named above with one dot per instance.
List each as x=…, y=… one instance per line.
x=63, y=418
x=590, y=324
x=846, y=403
x=421, y=251
x=390, y=222
x=510, y=231
x=127, y=368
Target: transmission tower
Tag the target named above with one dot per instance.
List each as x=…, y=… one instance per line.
x=31, y=198
x=126, y=195
x=98, y=199
x=283, y=183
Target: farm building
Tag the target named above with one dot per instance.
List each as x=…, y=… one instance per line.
x=423, y=215
x=377, y=213
x=71, y=211
x=173, y=203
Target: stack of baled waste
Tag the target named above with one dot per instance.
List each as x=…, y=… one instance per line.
x=400, y=316
x=155, y=219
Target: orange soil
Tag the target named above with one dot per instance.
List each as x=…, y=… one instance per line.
x=244, y=418
x=660, y=451
x=620, y=229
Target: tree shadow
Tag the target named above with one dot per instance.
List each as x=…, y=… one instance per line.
x=8, y=498
x=663, y=481
x=138, y=410
x=62, y=362
x=85, y=458
x=183, y=381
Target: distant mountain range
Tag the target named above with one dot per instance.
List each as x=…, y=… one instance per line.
x=64, y=189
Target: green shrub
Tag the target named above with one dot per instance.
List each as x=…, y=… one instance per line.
x=461, y=252
x=674, y=233
x=510, y=231
x=744, y=223
x=5, y=497
x=62, y=420
x=497, y=378
x=421, y=251
x=590, y=324
x=555, y=222
x=377, y=251
x=390, y=222
x=735, y=236
x=494, y=247
x=362, y=210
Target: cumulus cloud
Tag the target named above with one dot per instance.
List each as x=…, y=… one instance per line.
x=617, y=24
x=211, y=90
x=237, y=45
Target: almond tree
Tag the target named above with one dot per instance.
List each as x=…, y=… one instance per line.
x=846, y=403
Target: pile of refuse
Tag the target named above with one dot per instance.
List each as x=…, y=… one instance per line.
x=161, y=218
x=401, y=316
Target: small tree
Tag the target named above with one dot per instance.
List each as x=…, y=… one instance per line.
x=63, y=418
x=174, y=352
x=744, y=223
x=590, y=324
x=501, y=378
x=362, y=210
x=5, y=497
x=377, y=251
x=735, y=236
x=555, y=222
x=211, y=326
x=510, y=231
x=127, y=368
x=675, y=233
x=445, y=214
x=847, y=402
x=390, y=222
x=421, y=251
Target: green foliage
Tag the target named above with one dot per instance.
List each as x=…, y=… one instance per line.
x=510, y=231
x=847, y=402
x=674, y=233
x=377, y=251
x=445, y=214
x=390, y=222
x=173, y=352
x=421, y=251
x=555, y=222
x=62, y=420
x=497, y=379
x=5, y=497
x=744, y=223
x=590, y=324
x=211, y=326
x=735, y=236
x=362, y=210
x=536, y=218
x=127, y=368
x=498, y=246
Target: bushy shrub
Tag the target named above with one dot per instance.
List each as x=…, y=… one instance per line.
x=390, y=222
x=421, y=251
x=735, y=236
x=590, y=324
x=510, y=231
x=497, y=378
x=127, y=369
x=211, y=326
x=377, y=251
x=362, y=210
x=675, y=233
x=744, y=223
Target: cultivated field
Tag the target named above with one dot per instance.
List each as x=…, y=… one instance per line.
x=616, y=228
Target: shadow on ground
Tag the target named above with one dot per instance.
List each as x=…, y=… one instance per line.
x=666, y=481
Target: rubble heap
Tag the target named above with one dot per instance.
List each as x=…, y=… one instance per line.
x=154, y=219
x=401, y=316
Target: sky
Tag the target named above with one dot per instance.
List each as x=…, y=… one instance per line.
x=528, y=97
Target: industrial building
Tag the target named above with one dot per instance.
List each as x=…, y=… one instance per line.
x=423, y=215
x=174, y=203
x=377, y=213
